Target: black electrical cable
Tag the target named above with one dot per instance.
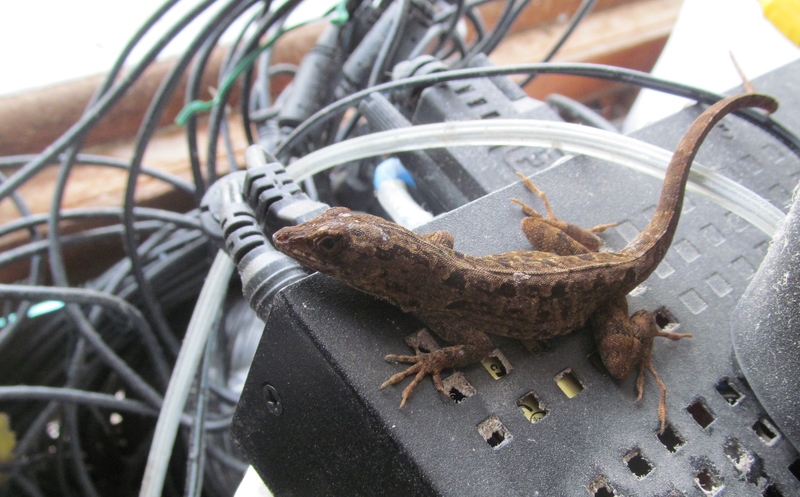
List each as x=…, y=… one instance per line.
x=193, y=90
x=100, y=160
x=577, y=110
x=477, y=23
x=389, y=46
x=266, y=113
x=499, y=31
x=68, y=432
x=435, y=31
x=455, y=13
x=599, y=71
x=58, y=271
x=197, y=446
x=247, y=79
x=226, y=459
x=217, y=112
x=66, y=395
x=119, y=306
x=583, y=9
x=94, y=235
x=35, y=272
x=146, y=130
x=57, y=266
x=26, y=485
x=99, y=213
x=502, y=29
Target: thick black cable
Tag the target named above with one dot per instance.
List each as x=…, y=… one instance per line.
x=598, y=71
x=99, y=109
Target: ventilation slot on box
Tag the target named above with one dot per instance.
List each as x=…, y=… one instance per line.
x=493, y=431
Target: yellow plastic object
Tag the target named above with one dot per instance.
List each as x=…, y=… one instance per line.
x=568, y=383
x=785, y=15
x=8, y=440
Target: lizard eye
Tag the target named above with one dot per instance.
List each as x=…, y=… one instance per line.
x=329, y=244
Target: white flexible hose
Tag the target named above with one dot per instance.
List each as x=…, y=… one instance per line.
x=208, y=304
x=569, y=138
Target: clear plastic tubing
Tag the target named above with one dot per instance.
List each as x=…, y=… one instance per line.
x=569, y=138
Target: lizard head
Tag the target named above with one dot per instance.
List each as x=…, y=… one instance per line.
x=344, y=244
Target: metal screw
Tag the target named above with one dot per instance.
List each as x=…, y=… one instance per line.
x=273, y=399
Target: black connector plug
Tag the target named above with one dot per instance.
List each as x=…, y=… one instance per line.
x=229, y=219
x=311, y=88
x=275, y=198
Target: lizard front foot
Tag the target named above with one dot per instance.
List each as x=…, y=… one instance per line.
x=423, y=364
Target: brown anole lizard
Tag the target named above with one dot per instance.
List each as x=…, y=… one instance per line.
x=528, y=294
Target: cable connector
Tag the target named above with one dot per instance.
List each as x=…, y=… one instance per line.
x=229, y=219
x=275, y=198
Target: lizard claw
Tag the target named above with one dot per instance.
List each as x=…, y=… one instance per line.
x=421, y=365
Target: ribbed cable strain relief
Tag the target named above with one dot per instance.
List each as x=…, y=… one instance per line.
x=266, y=182
x=264, y=272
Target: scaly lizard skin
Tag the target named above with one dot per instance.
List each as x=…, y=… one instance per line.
x=526, y=294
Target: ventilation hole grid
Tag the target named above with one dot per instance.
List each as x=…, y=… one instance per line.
x=639, y=466
x=794, y=468
x=601, y=488
x=531, y=407
x=726, y=388
x=709, y=483
x=493, y=431
x=665, y=320
x=568, y=383
x=458, y=387
x=671, y=439
x=747, y=464
x=497, y=365
x=766, y=431
x=701, y=413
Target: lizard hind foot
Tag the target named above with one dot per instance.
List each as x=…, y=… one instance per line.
x=422, y=365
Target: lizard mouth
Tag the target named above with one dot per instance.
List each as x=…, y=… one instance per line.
x=292, y=244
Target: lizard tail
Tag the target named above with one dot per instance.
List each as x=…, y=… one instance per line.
x=652, y=243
